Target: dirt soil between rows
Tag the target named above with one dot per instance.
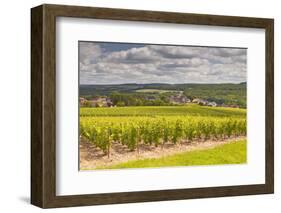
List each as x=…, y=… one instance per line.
x=92, y=157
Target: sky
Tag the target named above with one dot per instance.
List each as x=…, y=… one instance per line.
x=121, y=63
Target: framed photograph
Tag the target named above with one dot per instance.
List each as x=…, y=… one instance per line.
x=137, y=106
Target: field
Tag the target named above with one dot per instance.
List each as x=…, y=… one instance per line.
x=135, y=129
x=191, y=110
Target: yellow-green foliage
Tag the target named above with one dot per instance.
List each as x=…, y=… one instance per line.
x=132, y=126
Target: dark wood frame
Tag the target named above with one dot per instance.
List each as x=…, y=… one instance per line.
x=43, y=105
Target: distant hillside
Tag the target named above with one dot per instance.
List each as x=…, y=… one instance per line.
x=106, y=89
x=220, y=93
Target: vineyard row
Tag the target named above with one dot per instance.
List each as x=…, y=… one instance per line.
x=102, y=132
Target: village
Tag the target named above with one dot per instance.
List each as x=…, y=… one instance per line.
x=177, y=99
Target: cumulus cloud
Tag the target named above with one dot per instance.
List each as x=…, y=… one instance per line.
x=116, y=63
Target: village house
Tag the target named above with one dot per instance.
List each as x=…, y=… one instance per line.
x=97, y=102
x=212, y=104
x=82, y=101
x=196, y=100
x=200, y=101
x=179, y=99
x=204, y=102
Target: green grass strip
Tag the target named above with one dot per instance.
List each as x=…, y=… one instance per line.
x=231, y=153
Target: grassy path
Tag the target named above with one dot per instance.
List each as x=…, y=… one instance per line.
x=232, y=153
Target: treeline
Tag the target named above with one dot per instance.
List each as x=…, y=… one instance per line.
x=221, y=94
x=135, y=99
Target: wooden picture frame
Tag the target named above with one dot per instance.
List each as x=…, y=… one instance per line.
x=43, y=105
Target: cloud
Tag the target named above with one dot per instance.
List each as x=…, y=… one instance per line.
x=102, y=64
x=89, y=53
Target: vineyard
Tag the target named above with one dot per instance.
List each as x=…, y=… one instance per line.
x=156, y=126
